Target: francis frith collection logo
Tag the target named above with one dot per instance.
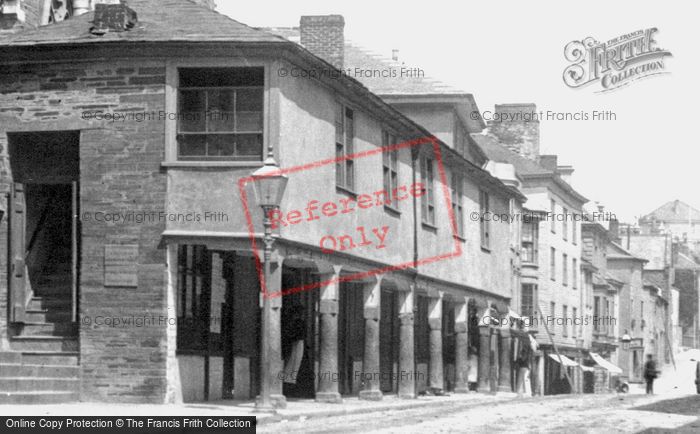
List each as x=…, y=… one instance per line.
x=615, y=63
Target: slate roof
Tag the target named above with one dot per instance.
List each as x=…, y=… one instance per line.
x=158, y=21
x=674, y=210
x=495, y=151
x=685, y=262
x=358, y=57
x=616, y=251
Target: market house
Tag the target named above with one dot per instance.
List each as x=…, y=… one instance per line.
x=186, y=58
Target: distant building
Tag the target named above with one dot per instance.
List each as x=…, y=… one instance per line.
x=551, y=286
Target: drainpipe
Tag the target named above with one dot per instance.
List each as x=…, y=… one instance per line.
x=414, y=160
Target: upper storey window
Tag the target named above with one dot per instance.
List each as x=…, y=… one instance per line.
x=220, y=114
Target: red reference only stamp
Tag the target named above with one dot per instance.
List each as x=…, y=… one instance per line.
x=334, y=233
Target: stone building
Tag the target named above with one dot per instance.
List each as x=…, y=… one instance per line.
x=447, y=113
x=124, y=135
x=606, y=304
x=551, y=289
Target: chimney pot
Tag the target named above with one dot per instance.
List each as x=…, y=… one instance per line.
x=323, y=35
x=113, y=17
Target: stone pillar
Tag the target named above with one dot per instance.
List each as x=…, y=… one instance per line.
x=540, y=374
x=407, y=364
x=462, y=347
x=274, y=285
x=436, y=381
x=504, y=375
x=484, y=357
x=370, y=361
x=328, y=324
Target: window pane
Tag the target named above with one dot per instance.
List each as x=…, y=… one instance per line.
x=192, y=111
x=350, y=174
x=249, y=100
x=192, y=145
x=220, y=110
x=249, y=121
x=249, y=145
x=339, y=166
x=339, y=125
x=221, y=145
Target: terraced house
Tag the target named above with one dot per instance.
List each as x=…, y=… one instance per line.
x=551, y=290
x=131, y=276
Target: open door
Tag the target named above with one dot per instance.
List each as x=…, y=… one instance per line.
x=18, y=272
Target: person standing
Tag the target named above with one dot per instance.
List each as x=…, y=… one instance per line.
x=650, y=373
x=522, y=374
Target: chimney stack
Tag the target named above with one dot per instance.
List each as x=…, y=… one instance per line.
x=517, y=127
x=549, y=162
x=113, y=16
x=565, y=172
x=323, y=35
x=11, y=14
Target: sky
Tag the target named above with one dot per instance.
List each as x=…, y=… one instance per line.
x=513, y=52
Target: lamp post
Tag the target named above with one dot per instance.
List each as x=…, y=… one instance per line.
x=626, y=339
x=269, y=184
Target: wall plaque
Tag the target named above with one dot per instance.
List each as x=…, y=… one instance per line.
x=121, y=265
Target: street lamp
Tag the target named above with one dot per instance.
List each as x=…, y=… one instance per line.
x=626, y=339
x=269, y=184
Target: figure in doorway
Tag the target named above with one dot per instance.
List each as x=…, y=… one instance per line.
x=522, y=366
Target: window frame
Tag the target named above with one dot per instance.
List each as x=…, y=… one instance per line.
x=564, y=322
x=344, y=147
x=564, y=269
x=553, y=264
x=206, y=91
x=574, y=272
x=528, y=310
x=427, y=175
x=457, y=191
x=172, y=79
x=530, y=244
x=564, y=224
x=390, y=168
x=484, y=224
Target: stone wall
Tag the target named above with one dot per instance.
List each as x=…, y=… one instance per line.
x=119, y=172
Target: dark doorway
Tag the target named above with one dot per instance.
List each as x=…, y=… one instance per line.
x=44, y=230
x=388, y=341
x=298, y=334
x=351, y=337
x=449, y=344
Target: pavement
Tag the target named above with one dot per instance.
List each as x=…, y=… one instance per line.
x=675, y=406
x=296, y=409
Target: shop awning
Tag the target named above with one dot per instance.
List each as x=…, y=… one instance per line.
x=605, y=364
x=564, y=360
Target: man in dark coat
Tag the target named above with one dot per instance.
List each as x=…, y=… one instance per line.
x=650, y=373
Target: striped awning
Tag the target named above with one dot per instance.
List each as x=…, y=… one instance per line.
x=564, y=360
x=605, y=364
